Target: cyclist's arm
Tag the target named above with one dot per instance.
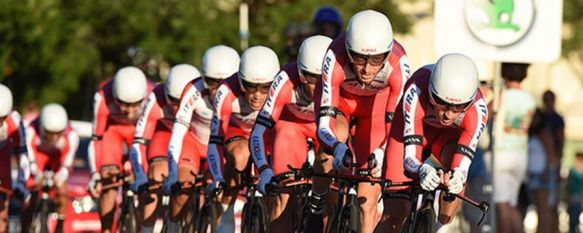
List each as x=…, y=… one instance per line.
x=31, y=137
x=332, y=77
x=19, y=142
x=190, y=96
x=413, y=129
x=145, y=126
x=69, y=152
x=472, y=125
x=219, y=126
x=280, y=95
x=100, y=115
x=397, y=80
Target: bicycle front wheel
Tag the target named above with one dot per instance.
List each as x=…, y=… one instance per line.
x=425, y=221
x=206, y=219
x=40, y=219
x=127, y=218
x=254, y=217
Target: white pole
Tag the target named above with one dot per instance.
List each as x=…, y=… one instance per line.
x=497, y=85
x=244, y=25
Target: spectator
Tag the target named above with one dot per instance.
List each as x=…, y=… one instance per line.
x=576, y=193
x=510, y=149
x=542, y=172
x=328, y=22
x=556, y=126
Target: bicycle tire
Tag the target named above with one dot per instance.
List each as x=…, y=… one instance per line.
x=332, y=220
x=354, y=216
x=425, y=221
x=408, y=225
x=40, y=219
x=207, y=219
x=190, y=219
x=262, y=216
x=127, y=220
x=302, y=216
x=349, y=219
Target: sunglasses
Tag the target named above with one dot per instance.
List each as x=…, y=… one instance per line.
x=126, y=104
x=310, y=78
x=440, y=104
x=212, y=82
x=252, y=87
x=172, y=100
x=361, y=59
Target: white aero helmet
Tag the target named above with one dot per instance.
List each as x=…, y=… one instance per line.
x=311, y=54
x=259, y=65
x=178, y=78
x=369, y=33
x=129, y=85
x=220, y=62
x=53, y=118
x=454, y=80
x=5, y=101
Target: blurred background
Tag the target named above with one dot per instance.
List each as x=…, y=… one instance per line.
x=61, y=50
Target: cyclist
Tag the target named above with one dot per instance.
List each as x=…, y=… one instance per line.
x=237, y=104
x=362, y=79
x=443, y=112
x=51, y=144
x=191, y=129
x=117, y=106
x=327, y=22
x=152, y=136
x=11, y=143
x=289, y=111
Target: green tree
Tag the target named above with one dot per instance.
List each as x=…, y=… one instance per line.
x=60, y=50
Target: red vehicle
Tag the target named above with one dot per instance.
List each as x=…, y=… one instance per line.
x=81, y=213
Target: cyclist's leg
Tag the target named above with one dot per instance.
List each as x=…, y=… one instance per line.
x=321, y=203
x=30, y=206
x=107, y=200
x=6, y=184
x=444, y=145
x=61, y=201
x=3, y=212
x=237, y=156
x=188, y=165
x=157, y=170
x=286, y=132
x=179, y=201
x=395, y=209
x=370, y=134
x=111, y=164
x=150, y=200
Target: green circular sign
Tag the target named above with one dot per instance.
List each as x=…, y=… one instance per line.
x=499, y=22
